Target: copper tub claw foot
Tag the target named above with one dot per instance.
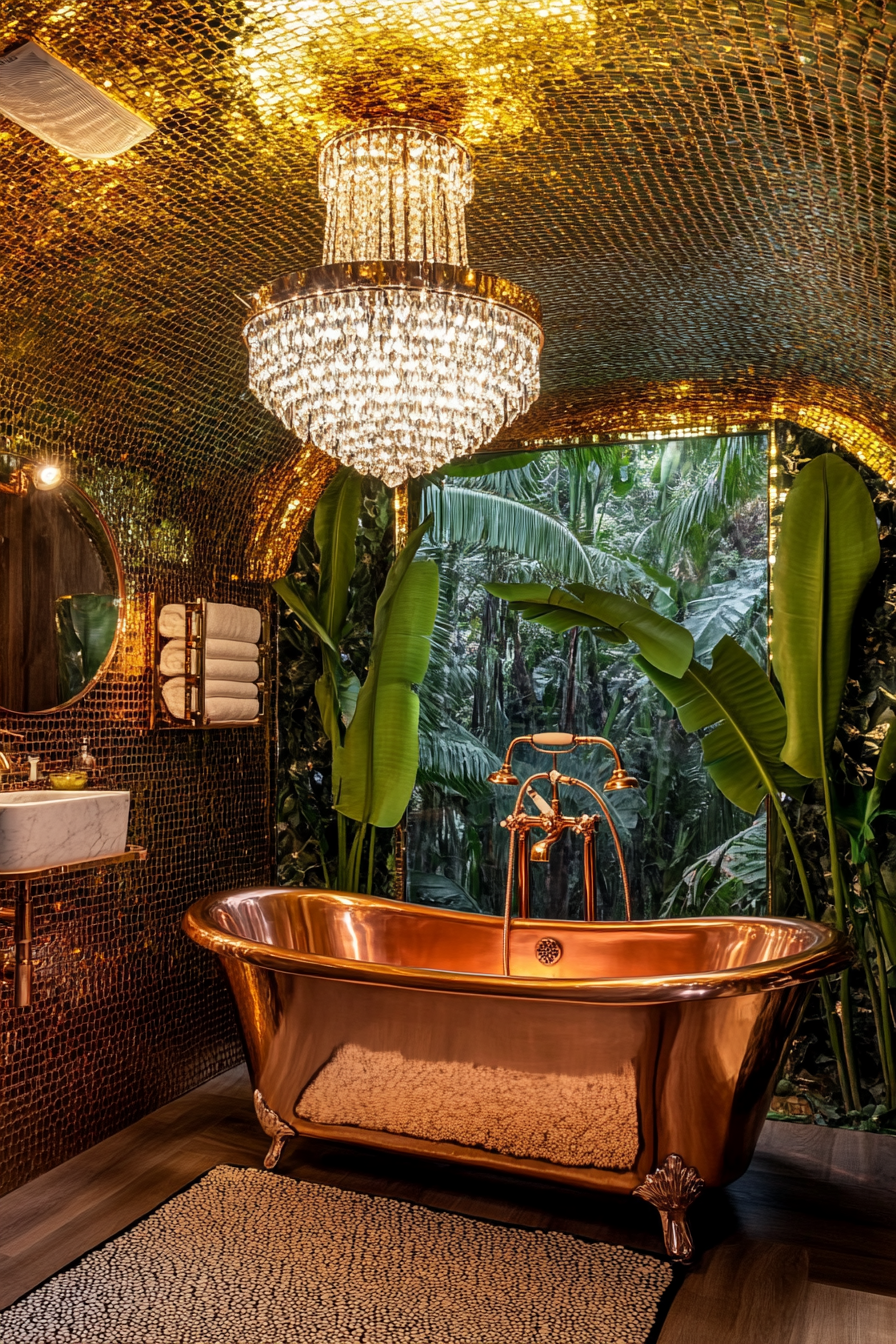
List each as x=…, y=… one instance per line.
x=277, y=1130
x=672, y=1188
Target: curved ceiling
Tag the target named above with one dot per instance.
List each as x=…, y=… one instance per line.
x=700, y=194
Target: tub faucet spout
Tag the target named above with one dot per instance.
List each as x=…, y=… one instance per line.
x=551, y=819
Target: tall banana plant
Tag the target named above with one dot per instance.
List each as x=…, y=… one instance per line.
x=372, y=728
x=828, y=549
x=757, y=746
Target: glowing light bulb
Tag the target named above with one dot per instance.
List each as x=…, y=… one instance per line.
x=47, y=477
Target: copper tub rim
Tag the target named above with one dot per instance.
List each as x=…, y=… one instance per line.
x=829, y=954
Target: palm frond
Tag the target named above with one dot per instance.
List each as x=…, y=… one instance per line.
x=727, y=609
x=453, y=758
x=738, y=475
x=470, y=516
x=732, y=877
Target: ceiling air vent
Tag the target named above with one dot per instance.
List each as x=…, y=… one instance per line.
x=46, y=97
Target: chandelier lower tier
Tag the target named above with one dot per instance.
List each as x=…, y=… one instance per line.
x=394, y=364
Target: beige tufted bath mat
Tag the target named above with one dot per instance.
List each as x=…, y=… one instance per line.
x=576, y=1122
x=247, y=1257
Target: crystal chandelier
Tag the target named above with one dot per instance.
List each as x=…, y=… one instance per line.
x=394, y=356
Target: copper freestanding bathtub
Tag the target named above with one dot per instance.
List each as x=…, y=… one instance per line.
x=625, y=1057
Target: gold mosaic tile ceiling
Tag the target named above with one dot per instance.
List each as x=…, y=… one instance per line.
x=700, y=194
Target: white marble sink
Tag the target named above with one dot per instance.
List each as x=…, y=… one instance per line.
x=43, y=827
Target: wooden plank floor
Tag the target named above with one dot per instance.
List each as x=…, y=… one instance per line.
x=801, y=1250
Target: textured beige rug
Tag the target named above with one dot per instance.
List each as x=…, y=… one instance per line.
x=590, y=1121
x=247, y=1257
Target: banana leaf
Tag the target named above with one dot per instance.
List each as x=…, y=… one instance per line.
x=85, y=628
x=886, y=759
x=736, y=699
x=375, y=770
x=828, y=549
x=486, y=464
x=336, y=521
x=301, y=602
x=335, y=529
x=334, y=684
x=617, y=619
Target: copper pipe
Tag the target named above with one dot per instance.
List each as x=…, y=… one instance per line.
x=24, y=929
x=588, y=862
x=616, y=841
x=523, y=875
x=554, y=823
x=508, y=907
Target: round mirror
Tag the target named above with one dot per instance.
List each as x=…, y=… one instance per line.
x=61, y=588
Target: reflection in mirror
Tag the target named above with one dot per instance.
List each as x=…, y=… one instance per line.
x=61, y=588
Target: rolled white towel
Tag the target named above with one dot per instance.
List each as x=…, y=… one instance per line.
x=237, y=690
x=238, y=649
x=171, y=664
x=224, y=621
x=219, y=709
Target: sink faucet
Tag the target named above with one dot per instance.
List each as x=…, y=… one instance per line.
x=549, y=817
x=6, y=765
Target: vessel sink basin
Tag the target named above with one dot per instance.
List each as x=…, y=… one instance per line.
x=40, y=828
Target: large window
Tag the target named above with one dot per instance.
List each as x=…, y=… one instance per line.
x=683, y=525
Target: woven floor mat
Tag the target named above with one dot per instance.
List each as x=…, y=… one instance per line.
x=247, y=1257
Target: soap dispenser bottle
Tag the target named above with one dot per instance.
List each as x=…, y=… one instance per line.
x=86, y=761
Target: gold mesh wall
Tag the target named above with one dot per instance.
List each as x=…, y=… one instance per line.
x=701, y=194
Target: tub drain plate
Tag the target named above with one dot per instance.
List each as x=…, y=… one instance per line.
x=548, y=951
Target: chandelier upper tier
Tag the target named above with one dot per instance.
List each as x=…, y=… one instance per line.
x=394, y=356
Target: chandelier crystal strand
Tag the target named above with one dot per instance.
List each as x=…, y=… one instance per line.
x=395, y=193
x=393, y=356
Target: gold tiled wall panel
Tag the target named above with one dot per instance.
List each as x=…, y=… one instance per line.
x=127, y=1013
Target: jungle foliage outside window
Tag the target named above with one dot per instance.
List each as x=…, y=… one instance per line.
x=682, y=525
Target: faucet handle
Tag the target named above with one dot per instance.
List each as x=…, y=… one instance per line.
x=553, y=739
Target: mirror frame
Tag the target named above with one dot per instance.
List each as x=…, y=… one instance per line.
x=68, y=483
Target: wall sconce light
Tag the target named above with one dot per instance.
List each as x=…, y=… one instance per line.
x=46, y=476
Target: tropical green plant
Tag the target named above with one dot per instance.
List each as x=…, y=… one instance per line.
x=495, y=675
x=731, y=877
x=757, y=748
x=828, y=549
x=371, y=727
x=615, y=618
x=508, y=525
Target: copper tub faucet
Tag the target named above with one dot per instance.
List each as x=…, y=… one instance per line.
x=549, y=817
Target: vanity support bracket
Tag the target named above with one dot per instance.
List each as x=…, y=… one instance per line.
x=21, y=914
x=24, y=932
